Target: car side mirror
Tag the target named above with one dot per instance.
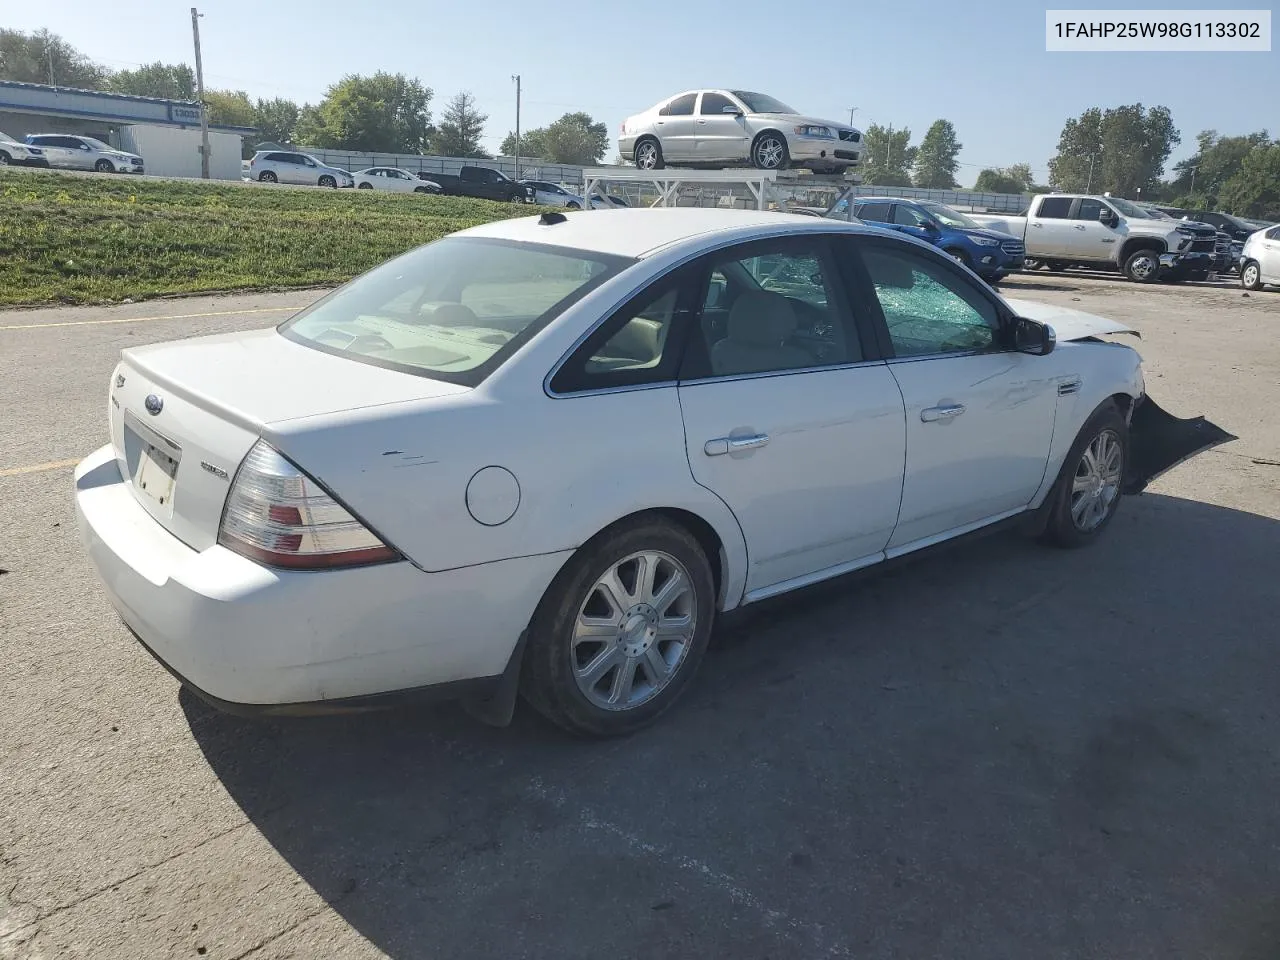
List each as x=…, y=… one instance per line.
x=1107, y=217
x=1033, y=337
x=931, y=228
x=734, y=111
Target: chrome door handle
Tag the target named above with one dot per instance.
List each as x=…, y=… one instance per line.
x=700, y=121
x=722, y=445
x=1079, y=226
x=946, y=412
x=1037, y=225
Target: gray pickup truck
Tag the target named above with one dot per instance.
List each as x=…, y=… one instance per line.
x=1101, y=232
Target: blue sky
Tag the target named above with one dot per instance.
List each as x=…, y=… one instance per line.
x=981, y=65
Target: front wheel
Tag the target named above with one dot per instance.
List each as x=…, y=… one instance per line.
x=769, y=152
x=573, y=205
x=5, y=159
x=621, y=630
x=104, y=166
x=1143, y=266
x=1251, y=276
x=327, y=181
x=1088, y=490
x=421, y=189
x=364, y=186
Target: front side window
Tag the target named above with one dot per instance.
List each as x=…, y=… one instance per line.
x=875, y=211
x=454, y=309
x=715, y=103
x=1089, y=209
x=908, y=216
x=680, y=106
x=927, y=306
x=762, y=102
x=775, y=309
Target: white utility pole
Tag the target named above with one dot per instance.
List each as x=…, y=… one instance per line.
x=204, y=111
x=516, y=78
x=1089, y=186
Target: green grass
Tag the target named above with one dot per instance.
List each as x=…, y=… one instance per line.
x=100, y=239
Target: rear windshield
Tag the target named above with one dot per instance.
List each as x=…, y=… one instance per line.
x=453, y=310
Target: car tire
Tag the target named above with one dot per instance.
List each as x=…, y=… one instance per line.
x=1143, y=265
x=5, y=159
x=648, y=154
x=589, y=651
x=266, y=176
x=573, y=205
x=769, y=151
x=421, y=189
x=1091, y=482
x=364, y=186
x=327, y=181
x=1251, y=275
x=104, y=166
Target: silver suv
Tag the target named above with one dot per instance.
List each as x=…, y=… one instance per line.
x=84, y=153
x=280, y=166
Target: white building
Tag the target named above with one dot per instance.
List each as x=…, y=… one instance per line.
x=165, y=133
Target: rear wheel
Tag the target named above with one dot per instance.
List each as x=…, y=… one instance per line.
x=621, y=630
x=1143, y=266
x=327, y=181
x=104, y=166
x=266, y=176
x=1251, y=275
x=364, y=186
x=1088, y=490
x=649, y=154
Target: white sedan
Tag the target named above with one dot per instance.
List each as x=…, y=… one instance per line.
x=393, y=179
x=542, y=455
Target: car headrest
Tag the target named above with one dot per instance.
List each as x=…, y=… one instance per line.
x=762, y=318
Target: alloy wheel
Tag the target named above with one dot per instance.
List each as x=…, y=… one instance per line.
x=634, y=630
x=769, y=153
x=1096, y=484
x=647, y=155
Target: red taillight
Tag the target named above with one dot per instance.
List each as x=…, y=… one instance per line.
x=278, y=515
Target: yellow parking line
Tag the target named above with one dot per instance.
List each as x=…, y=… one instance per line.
x=38, y=467
x=176, y=316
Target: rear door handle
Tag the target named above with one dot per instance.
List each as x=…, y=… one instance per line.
x=948, y=411
x=722, y=445
x=700, y=121
x=1037, y=225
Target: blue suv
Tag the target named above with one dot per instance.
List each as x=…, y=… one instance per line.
x=988, y=253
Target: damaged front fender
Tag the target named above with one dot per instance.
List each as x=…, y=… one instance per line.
x=1159, y=441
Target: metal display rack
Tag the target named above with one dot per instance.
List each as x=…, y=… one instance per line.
x=769, y=189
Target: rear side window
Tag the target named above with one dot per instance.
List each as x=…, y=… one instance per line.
x=454, y=309
x=1273, y=233
x=1055, y=208
x=680, y=106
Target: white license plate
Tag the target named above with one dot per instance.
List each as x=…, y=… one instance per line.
x=156, y=476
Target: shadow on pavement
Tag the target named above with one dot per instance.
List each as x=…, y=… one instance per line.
x=1001, y=750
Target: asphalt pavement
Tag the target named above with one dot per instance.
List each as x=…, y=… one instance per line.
x=997, y=751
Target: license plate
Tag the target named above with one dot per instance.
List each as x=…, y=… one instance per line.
x=156, y=476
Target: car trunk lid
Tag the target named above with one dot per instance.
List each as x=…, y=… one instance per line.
x=184, y=415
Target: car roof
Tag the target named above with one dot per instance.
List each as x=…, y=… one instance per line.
x=630, y=232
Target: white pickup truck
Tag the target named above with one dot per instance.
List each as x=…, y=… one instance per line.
x=1068, y=229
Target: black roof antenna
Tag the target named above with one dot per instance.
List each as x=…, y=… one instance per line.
x=551, y=218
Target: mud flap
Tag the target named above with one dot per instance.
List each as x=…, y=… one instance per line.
x=1159, y=441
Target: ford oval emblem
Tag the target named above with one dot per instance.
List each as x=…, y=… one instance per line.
x=154, y=404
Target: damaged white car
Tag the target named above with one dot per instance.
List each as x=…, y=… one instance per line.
x=540, y=456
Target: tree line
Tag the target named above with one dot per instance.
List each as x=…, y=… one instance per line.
x=1120, y=150
x=381, y=113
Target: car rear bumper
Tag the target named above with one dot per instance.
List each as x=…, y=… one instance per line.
x=253, y=639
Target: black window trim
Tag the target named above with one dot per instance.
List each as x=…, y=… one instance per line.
x=866, y=289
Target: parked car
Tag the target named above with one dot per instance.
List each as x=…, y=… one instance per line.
x=394, y=180
x=1237, y=228
x=1104, y=232
x=21, y=154
x=544, y=453
x=1226, y=252
x=483, y=182
x=84, y=153
x=285, y=166
x=553, y=195
x=729, y=127
x=989, y=253
x=1260, y=261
